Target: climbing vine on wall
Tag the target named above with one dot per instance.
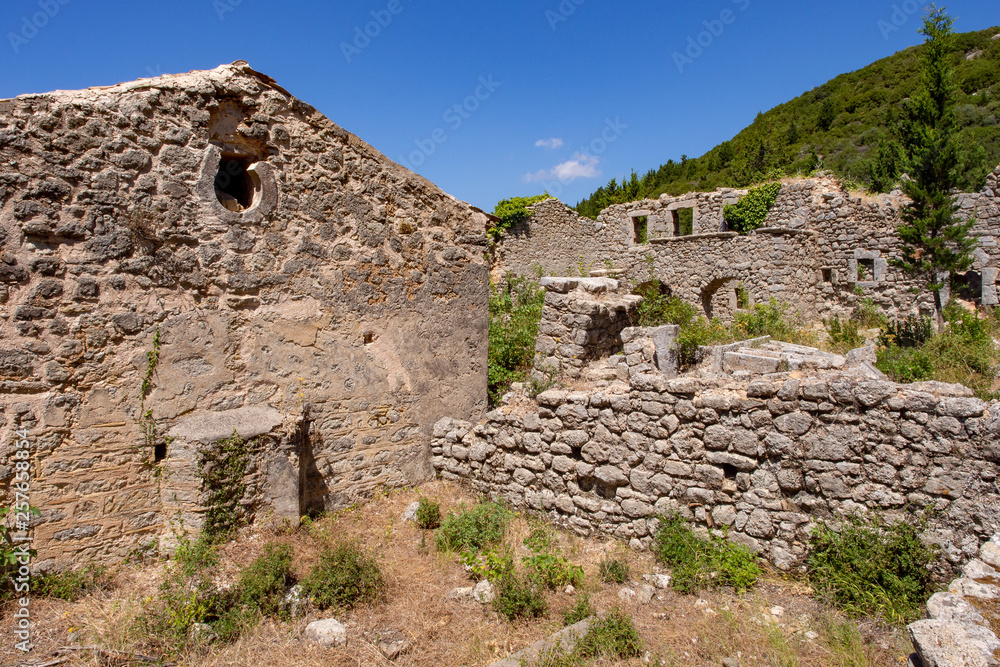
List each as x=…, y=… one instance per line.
x=751, y=211
x=223, y=468
x=146, y=415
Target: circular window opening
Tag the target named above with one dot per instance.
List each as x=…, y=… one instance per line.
x=236, y=185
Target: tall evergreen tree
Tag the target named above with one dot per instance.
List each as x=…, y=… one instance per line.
x=935, y=241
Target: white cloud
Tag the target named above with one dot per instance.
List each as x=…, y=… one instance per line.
x=581, y=166
x=549, y=143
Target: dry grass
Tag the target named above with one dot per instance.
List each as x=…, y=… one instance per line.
x=681, y=630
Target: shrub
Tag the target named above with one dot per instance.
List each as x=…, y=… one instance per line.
x=844, y=335
x=553, y=571
x=71, y=586
x=869, y=315
x=518, y=597
x=702, y=563
x=428, y=514
x=658, y=308
x=515, y=311
x=870, y=567
x=767, y=319
x=343, y=577
x=750, y=212
x=472, y=529
x=910, y=332
x=581, y=610
x=613, y=636
x=905, y=364
x=614, y=570
x=262, y=586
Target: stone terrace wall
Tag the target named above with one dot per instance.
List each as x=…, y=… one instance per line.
x=349, y=295
x=765, y=461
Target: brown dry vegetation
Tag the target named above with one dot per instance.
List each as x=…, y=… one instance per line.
x=678, y=629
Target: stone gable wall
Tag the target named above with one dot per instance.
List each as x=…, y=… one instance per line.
x=351, y=298
x=764, y=461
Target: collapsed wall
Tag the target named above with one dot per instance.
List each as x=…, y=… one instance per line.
x=763, y=460
x=175, y=251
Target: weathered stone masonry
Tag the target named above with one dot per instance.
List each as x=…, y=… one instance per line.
x=764, y=460
x=289, y=268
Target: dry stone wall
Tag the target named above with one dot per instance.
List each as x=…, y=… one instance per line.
x=265, y=258
x=763, y=460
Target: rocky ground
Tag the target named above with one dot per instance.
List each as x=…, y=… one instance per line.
x=778, y=623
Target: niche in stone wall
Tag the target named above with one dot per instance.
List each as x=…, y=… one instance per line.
x=237, y=186
x=867, y=268
x=723, y=297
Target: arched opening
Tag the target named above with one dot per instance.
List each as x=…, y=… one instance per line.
x=722, y=298
x=236, y=184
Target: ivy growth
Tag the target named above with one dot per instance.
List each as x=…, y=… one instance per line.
x=146, y=421
x=751, y=211
x=513, y=212
x=223, y=469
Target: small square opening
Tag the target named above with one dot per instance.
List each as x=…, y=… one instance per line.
x=234, y=184
x=866, y=270
x=640, y=230
x=159, y=451
x=828, y=275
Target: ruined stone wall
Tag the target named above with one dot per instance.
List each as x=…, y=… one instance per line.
x=764, y=460
x=338, y=289
x=845, y=253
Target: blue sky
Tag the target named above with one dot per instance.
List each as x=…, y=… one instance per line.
x=487, y=99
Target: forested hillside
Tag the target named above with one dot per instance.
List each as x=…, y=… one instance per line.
x=847, y=126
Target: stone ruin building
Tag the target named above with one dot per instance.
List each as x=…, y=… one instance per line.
x=188, y=257
x=820, y=249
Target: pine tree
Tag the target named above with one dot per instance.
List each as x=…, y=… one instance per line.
x=935, y=241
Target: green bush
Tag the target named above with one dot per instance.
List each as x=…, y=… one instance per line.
x=343, y=577
x=766, y=319
x=750, y=212
x=579, y=611
x=869, y=315
x=512, y=212
x=614, y=570
x=515, y=311
x=905, y=364
x=869, y=567
x=428, y=514
x=553, y=571
x=844, y=335
x=71, y=586
x=702, y=563
x=263, y=585
x=518, y=596
x=613, y=636
x=913, y=331
x=658, y=308
x=473, y=528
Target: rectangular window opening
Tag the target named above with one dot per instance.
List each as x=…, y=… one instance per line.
x=640, y=230
x=866, y=270
x=828, y=275
x=683, y=221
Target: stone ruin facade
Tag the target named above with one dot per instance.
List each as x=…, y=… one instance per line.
x=821, y=249
x=193, y=256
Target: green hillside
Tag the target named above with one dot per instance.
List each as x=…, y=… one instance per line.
x=844, y=126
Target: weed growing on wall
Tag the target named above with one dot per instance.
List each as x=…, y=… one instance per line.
x=750, y=212
x=223, y=468
x=870, y=567
x=515, y=311
x=513, y=212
